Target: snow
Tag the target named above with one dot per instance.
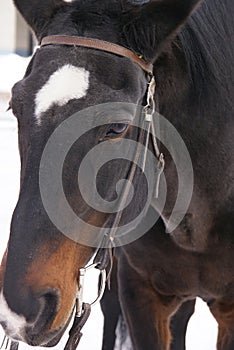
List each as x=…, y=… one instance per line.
x=12, y=68
x=202, y=329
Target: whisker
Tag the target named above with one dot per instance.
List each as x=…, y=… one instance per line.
x=5, y=343
x=2, y=343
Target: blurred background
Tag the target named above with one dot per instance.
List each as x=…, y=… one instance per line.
x=14, y=33
x=16, y=46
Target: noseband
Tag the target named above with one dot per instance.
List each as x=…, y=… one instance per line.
x=103, y=256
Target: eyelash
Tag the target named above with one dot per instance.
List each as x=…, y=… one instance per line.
x=9, y=106
x=116, y=129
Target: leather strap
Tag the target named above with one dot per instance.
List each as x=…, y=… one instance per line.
x=98, y=45
x=75, y=332
x=14, y=345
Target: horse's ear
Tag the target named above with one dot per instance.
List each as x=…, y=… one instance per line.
x=38, y=13
x=148, y=25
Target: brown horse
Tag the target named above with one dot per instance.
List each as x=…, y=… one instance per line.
x=160, y=273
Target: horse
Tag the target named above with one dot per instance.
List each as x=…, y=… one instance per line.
x=110, y=53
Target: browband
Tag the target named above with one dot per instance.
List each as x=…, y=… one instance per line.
x=98, y=45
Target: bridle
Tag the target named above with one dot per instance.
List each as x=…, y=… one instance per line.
x=103, y=256
x=97, y=45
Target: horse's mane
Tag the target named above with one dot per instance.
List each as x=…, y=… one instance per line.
x=205, y=40
x=208, y=47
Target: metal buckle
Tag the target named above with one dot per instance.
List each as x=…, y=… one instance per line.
x=79, y=300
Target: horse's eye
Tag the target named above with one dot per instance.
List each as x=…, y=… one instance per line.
x=116, y=129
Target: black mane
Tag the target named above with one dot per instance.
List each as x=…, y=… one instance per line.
x=206, y=41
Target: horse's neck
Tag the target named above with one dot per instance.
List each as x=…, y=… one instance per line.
x=197, y=101
x=204, y=121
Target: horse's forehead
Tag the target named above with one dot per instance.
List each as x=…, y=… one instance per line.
x=57, y=75
x=66, y=83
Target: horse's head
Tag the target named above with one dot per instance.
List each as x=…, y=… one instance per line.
x=38, y=279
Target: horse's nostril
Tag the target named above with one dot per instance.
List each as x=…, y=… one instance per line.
x=49, y=298
x=49, y=301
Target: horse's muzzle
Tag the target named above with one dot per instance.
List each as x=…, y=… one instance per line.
x=37, y=332
x=36, y=337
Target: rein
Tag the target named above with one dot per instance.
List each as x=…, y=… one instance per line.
x=103, y=256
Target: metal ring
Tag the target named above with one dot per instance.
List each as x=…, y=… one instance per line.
x=101, y=289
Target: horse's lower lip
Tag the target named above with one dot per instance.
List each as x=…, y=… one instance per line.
x=49, y=340
x=38, y=342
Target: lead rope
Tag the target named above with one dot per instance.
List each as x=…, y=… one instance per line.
x=75, y=332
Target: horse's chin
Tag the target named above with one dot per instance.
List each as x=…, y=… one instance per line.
x=53, y=342
x=49, y=339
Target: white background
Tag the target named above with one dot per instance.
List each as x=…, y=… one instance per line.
x=202, y=330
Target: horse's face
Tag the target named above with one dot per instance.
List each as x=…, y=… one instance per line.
x=42, y=264
x=38, y=276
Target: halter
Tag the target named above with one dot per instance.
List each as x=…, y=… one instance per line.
x=103, y=256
